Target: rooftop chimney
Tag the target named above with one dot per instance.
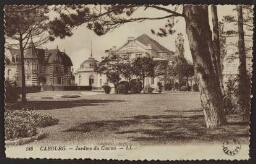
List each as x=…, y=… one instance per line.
x=149, y=47
x=130, y=39
x=113, y=48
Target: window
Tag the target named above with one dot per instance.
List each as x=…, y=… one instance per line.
x=80, y=78
x=138, y=55
x=65, y=69
x=152, y=80
x=125, y=56
x=9, y=72
x=59, y=80
x=18, y=58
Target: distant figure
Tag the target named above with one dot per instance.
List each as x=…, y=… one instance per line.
x=41, y=85
x=52, y=86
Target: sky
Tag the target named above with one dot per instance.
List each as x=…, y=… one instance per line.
x=78, y=46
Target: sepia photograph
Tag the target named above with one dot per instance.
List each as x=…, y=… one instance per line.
x=128, y=82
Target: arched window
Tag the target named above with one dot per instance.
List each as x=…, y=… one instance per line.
x=79, y=79
x=9, y=72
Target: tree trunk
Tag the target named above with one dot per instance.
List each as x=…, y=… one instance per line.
x=244, y=81
x=23, y=83
x=200, y=41
x=143, y=84
x=216, y=44
x=187, y=82
x=180, y=81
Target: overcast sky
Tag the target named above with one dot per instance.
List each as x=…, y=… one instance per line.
x=78, y=46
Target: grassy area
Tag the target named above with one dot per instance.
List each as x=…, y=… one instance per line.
x=143, y=119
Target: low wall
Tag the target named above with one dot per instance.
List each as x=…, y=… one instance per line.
x=30, y=89
x=34, y=89
x=67, y=88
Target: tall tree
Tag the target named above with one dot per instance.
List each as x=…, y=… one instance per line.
x=244, y=81
x=144, y=67
x=240, y=26
x=200, y=41
x=118, y=64
x=107, y=18
x=24, y=23
x=216, y=44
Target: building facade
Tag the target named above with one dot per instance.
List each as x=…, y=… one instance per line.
x=50, y=67
x=231, y=60
x=142, y=46
x=86, y=76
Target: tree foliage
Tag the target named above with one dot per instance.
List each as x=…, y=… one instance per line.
x=104, y=18
x=179, y=45
x=24, y=23
x=144, y=67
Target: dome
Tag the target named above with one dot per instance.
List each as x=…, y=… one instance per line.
x=59, y=57
x=89, y=63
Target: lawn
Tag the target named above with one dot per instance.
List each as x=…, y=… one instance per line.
x=139, y=119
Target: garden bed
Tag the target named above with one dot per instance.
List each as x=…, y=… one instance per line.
x=24, y=123
x=70, y=96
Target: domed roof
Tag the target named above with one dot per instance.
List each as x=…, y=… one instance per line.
x=55, y=56
x=90, y=62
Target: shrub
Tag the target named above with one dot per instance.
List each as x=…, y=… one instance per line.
x=229, y=104
x=135, y=86
x=160, y=87
x=106, y=88
x=148, y=89
x=195, y=88
x=19, y=125
x=126, y=84
x=23, y=123
x=121, y=89
x=168, y=86
x=44, y=120
x=183, y=88
x=176, y=86
x=230, y=99
x=11, y=93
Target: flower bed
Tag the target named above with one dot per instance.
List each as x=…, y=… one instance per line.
x=70, y=96
x=24, y=123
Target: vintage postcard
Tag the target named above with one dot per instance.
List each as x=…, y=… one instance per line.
x=128, y=82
